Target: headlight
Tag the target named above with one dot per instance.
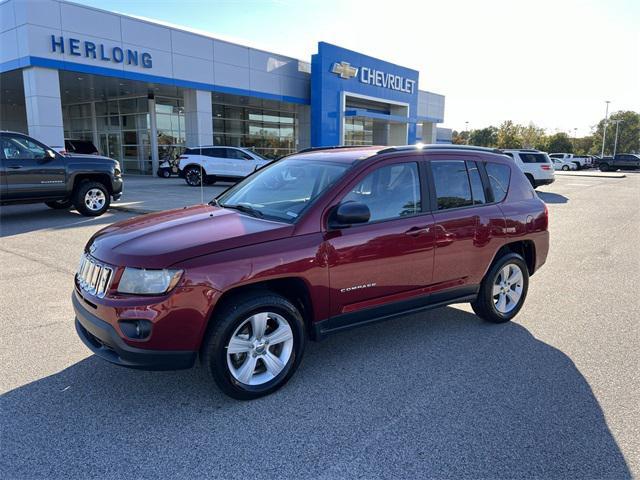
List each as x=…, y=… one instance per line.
x=117, y=170
x=148, y=282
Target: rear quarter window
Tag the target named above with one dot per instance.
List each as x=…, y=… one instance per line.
x=533, y=157
x=499, y=176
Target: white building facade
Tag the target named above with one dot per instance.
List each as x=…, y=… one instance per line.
x=143, y=91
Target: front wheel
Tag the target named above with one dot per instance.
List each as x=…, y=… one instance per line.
x=92, y=199
x=255, y=345
x=59, y=204
x=604, y=167
x=503, y=290
x=193, y=176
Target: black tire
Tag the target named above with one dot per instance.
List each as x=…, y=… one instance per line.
x=193, y=176
x=565, y=167
x=231, y=316
x=59, y=204
x=604, y=167
x=164, y=173
x=484, y=306
x=531, y=180
x=87, y=208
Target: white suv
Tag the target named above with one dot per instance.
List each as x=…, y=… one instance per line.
x=211, y=164
x=535, y=164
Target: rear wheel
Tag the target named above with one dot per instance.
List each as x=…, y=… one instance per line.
x=503, y=290
x=59, y=204
x=193, y=176
x=91, y=199
x=565, y=167
x=255, y=345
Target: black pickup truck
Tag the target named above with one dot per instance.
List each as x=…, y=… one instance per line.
x=630, y=161
x=31, y=172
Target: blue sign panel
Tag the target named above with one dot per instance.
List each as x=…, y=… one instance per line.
x=336, y=72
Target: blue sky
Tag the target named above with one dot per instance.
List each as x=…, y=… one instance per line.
x=550, y=62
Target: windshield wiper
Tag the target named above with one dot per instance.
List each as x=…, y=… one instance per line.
x=245, y=209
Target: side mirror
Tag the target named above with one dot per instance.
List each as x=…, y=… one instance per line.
x=349, y=213
x=51, y=154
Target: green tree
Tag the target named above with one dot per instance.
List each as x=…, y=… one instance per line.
x=628, y=134
x=509, y=135
x=484, y=137
x=560, y=143
x=459, y=138
x=533, y=137
x=582, y=146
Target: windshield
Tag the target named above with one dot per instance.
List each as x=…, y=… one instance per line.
x=282, y=190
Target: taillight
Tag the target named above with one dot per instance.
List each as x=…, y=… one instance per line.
x=545, y=167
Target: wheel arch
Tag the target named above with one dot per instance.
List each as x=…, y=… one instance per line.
x=525, y=248
x=102, y=178
x=196, y=165
x=294, y=289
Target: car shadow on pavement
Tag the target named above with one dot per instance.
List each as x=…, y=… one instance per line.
x=18, y=219
x=431, y=395
x=550, y=197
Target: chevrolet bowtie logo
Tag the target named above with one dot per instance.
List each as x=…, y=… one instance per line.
x=344, y=69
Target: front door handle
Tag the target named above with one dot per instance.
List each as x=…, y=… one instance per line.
x=418, y=230
x=15, y=167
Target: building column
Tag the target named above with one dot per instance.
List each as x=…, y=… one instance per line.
x=43, y=105
x=198, y=118
x=429, y=132
x=153, y=134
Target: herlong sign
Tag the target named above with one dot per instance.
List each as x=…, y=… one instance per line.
x=101, y=52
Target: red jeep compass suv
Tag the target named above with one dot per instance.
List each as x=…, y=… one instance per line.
x=312, y=244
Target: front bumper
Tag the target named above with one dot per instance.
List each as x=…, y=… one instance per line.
x=103, y=340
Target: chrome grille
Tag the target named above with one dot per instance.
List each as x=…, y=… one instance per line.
x=93, y=277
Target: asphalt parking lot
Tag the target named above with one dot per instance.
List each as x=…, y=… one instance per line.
x=441, y=394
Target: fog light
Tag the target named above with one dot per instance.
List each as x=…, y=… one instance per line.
x=136, y=329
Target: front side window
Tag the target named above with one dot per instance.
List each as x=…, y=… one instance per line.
x=390, y=192
x=284, y=189
x=237, y=154
x=452, y=184
x=22, y=148
x=499, y=179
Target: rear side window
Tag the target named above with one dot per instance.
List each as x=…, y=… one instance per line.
x=533, y=157
x=499, y=178
x=236, y=154
x=214, y=152
x=452, y=184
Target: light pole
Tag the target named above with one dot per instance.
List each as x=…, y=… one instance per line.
x=575, y=139
x=604, y=134
x=615, y=143
x=466, y=127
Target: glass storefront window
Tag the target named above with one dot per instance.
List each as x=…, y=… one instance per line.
x=358, y=131
x=265, y=126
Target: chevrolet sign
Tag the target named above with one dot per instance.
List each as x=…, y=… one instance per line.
x=371, y=76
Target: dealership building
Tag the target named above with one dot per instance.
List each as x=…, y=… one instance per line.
x=142, y=91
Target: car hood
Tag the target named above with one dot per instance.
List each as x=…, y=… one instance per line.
x=159, y=240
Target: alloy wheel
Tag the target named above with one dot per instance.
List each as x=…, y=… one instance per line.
x=260, y=348
x=95, y=199
x=193, y=177
x=507, y=288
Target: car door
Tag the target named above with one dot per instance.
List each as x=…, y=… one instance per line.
x=469, y=228
x=214, y=161
x=3, y=176
x=240, y=163
x=32, y=170
x=390, y=258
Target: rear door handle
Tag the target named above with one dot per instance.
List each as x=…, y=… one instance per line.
x=418, y=230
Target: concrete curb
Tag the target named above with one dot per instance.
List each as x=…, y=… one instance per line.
x=591, y=174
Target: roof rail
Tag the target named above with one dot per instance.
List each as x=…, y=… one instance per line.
x=440, y=146
x=333, y=147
